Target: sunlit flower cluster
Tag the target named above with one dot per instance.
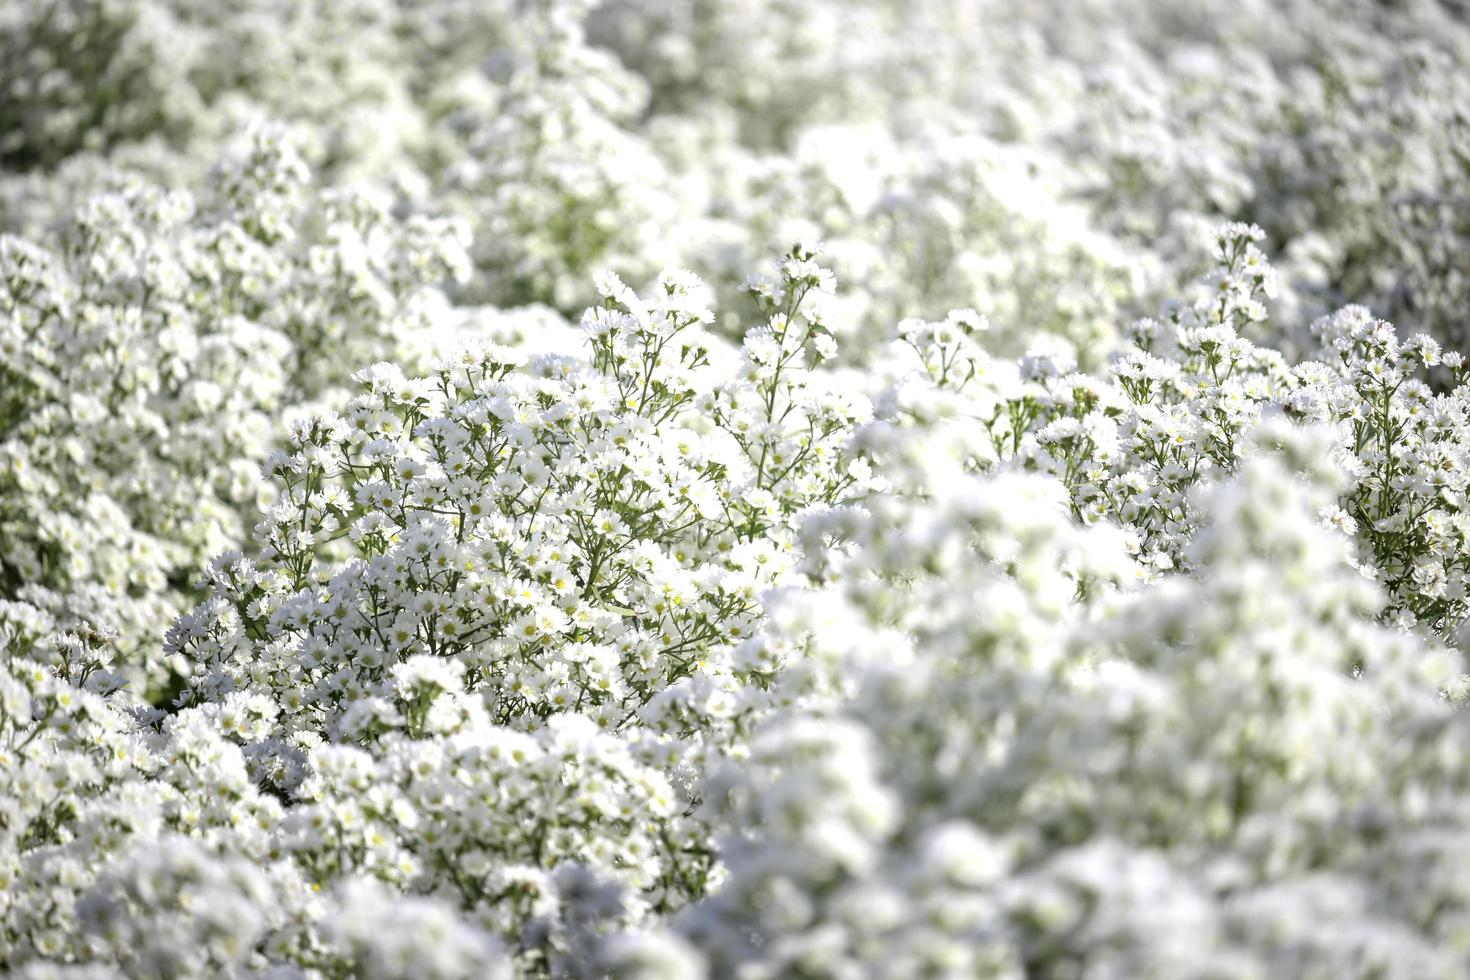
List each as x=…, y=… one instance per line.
x=1171, y=410
x=1228, y=775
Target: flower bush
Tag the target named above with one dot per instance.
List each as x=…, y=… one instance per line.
x=1151, y=784
x=1130, y=444
x=151, y=350
x=1060, y=572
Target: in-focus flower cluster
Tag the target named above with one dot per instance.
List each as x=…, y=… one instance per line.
x=1171, y=410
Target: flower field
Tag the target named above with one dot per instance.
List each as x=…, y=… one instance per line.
x=756, y=489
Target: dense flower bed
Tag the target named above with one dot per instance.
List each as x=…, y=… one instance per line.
x=854, y=488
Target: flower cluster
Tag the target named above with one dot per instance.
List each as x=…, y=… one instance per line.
x=956, y=219
x=499, y=614
x=576, y=534
x=1131, y=442
x=1235, y=774
x=151, y=349
x=555, y=182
